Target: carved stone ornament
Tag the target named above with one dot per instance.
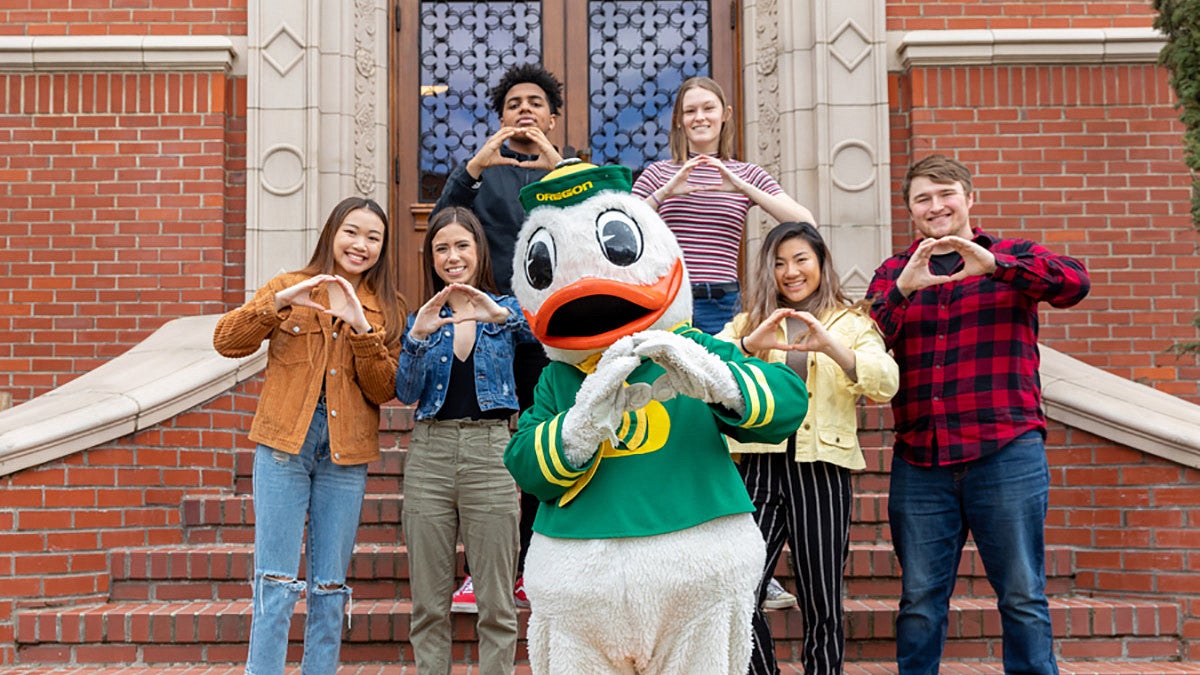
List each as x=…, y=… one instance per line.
x=767, y=70
x=364, y=97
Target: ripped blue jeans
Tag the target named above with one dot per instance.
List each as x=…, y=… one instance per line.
x=288, y=490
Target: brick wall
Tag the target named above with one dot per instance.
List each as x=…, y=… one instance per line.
x=113, y=17
x=1132, y=519
x=114, y=217
x=59, y=521
x=993, y=14
x=1089, y=161
x=234, y=245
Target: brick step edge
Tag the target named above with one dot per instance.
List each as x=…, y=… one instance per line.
x=233, y=509
x=206, y=622
x=235, y=562
x=852, y=668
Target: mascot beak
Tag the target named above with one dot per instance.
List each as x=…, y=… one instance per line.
x=593, y=312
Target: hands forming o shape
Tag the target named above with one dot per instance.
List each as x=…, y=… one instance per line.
x=815, y=339
x=468, y=304
x=300, y=295
x=977, y=261
x=489, y=155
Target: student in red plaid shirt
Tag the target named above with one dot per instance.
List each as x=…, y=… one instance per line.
x=958, y=309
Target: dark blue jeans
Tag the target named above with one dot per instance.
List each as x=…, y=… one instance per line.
x=711, y=314
x=1001, y=500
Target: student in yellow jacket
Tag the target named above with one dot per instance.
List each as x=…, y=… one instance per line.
x=797, y=314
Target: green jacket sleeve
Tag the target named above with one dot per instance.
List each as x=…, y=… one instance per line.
x=776, y=398
x=535, y=454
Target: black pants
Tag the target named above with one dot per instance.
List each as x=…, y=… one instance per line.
x=806, y=505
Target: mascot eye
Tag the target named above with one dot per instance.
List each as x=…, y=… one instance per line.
x=539, y=260
x=620, y=237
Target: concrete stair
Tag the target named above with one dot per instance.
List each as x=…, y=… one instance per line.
x=216, y=631
x=189, y=603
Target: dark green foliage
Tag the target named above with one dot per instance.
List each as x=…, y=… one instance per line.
x=1182, y=348
x=1179, y=21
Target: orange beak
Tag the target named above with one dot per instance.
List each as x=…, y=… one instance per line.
x=593, y=313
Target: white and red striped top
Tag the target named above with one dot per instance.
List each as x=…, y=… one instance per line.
x=708, y=224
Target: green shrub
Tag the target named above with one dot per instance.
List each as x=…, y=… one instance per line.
x=1179, y=21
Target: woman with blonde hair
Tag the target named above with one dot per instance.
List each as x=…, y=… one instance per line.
x=704, y=194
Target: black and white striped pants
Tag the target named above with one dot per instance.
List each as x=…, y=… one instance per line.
x=806, y=505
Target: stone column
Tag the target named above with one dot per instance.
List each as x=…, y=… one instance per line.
x=816, y=118
x=317, y=122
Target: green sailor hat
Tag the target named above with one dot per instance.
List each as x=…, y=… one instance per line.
x=573, y=181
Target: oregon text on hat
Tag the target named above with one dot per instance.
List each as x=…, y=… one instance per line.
x=574, y=182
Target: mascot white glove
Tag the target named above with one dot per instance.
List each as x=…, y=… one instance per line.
x=601, y=401
x=691, y=369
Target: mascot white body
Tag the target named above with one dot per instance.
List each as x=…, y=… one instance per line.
x=645, y=558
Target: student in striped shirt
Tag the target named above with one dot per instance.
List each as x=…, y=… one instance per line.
x=704, y=194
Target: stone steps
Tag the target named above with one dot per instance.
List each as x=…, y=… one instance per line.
x=189, y=603
x=380, y=571
x=216, y=632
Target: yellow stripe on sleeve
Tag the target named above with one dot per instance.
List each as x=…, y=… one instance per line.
x=769, y=396
x=541, y=451
x=752, y=402
x=555, y=456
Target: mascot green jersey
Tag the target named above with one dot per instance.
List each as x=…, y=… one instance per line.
x=645, y=558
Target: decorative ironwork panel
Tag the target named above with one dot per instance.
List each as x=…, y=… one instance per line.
x=638, y=55
x=465, y=47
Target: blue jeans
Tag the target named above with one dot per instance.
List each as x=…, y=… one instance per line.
x=287, y=489
x=710, y=315
x=1001, y=500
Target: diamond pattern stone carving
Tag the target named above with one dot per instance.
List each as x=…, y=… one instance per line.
x=283, y=50
x=850, y=44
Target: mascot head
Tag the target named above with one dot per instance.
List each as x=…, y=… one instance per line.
x=593, y=263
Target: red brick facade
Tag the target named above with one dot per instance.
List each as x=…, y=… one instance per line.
x=1085, y=159
x=59, y=521
x=906, y=15
x=125, y=207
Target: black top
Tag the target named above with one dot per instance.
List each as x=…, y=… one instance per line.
x=458, y=406
x=943, y=264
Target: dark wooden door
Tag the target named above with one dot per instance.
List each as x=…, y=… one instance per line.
x=620, y=63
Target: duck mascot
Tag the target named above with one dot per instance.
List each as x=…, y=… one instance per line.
x=645, y=557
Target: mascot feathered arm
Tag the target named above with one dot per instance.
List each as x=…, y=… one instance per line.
x=753, y=401
x=558, y=437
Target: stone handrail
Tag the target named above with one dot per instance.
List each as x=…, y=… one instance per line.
x=1088, y=398
x=176, y=369
x=171, y=371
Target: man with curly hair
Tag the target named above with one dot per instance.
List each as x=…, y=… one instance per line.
x=527, y=99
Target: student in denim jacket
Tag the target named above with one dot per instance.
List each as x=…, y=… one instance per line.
x=456, y=362
x=334, y=332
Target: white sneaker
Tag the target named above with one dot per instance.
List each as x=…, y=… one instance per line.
x=463, y=601
x=777, y=597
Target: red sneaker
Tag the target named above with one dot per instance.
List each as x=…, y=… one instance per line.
x=519, y=593
x=463, y=600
